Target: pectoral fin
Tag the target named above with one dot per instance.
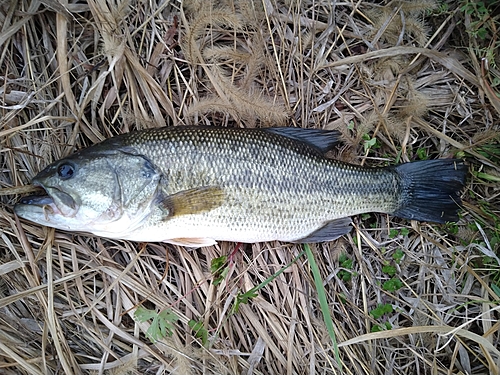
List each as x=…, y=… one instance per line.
x=193, y=201
x=329, y=232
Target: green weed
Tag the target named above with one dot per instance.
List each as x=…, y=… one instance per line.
x=393, y=233
x=345, y=274
x=162, y=324
x=422, y=153
x=219, y=269
x=398, y=255
x=381, y=310
x=384, y=327
x=199, y=330
x=370, y=143
x=389, y=270
x=252, y=293
x=480, y=15
x=392, y=285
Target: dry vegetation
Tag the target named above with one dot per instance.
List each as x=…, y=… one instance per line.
x=400, y=80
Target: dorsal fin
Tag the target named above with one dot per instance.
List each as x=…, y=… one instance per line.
x=321, y=140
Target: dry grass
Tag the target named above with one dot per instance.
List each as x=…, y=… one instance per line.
x=412, y=78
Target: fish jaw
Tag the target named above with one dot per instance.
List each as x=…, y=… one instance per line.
x=42, y=210
x=64, y=202
x=56, y=208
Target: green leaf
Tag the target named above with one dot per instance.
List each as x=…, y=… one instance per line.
x=378, y=328
x=162, y=324
x=482, y=33
x=165, y=322
x=389, y=270
x=398, y=255
x=143, y=315
x=369, y=143
x=496, y=289
x=422, y=153
x=380, y=310
x=393, y=233
x=218, y=263
x=200, y=331
x=252, y=293
x=487, y=177
x=219, y=269
x=467, y=8
x=342, y=297
x=392, y=285
x=243, y=298
x=347, y=263
x=345, y=275
x=452, y=228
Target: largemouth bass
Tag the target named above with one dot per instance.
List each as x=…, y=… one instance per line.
x=195, y=185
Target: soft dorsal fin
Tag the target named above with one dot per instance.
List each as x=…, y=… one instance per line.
x=321, y=140
x=193, y=201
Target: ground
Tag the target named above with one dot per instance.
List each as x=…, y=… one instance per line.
x=400, y=80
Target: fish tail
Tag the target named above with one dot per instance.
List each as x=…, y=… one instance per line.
x=431, y=189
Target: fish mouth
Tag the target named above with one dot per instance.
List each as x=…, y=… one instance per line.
x=53, y=202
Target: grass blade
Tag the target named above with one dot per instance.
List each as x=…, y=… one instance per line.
x=327, y=317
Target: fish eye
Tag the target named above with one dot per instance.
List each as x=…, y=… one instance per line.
x=65, y=171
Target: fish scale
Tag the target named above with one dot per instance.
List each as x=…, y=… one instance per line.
x=202, y=184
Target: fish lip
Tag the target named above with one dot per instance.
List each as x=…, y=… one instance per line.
x=55, y=201
x=36, y=200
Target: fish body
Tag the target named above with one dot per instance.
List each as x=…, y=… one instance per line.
x=196, y=185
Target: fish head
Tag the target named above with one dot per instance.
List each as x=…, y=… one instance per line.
x=95, y=190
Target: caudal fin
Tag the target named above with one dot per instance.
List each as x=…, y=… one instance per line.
x=431, y=189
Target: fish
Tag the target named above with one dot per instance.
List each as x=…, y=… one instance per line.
x=196, y=185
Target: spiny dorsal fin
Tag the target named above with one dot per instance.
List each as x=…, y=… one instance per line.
x=321, y=140
x=193, y=201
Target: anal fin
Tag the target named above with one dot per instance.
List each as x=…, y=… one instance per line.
x=329, y=232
